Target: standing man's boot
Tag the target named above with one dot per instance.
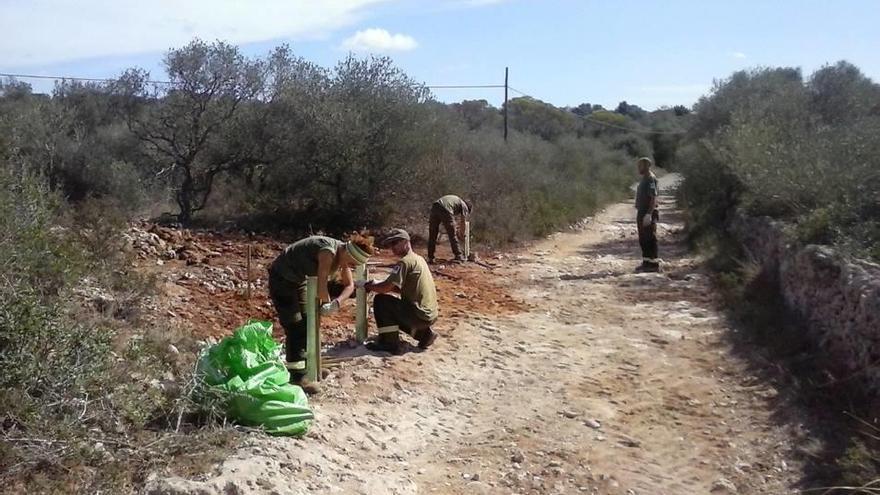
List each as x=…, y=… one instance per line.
x=308, y=386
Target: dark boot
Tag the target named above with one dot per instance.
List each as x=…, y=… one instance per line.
x=308, y=386
x=648, y=267
x=386, y=342
x=426, y=337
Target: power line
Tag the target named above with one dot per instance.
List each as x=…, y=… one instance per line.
x=477, y=86
x=70, y=78
x=104, y=80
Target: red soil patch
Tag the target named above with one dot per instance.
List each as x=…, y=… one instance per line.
x=206, y=289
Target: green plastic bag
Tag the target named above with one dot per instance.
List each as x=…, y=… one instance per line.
x=247, y=366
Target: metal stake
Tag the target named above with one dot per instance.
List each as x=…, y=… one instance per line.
x=248, y=290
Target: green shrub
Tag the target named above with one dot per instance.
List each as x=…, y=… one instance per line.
x=774, y=145
x=83, y=395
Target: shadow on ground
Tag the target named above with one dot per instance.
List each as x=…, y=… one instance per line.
x=811, y=403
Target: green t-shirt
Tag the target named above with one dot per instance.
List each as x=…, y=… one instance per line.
x=647, y=190
x=413, y=277
x=300, y=259
x=453, y=204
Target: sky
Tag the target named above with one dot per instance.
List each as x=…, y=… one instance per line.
x=648, y=53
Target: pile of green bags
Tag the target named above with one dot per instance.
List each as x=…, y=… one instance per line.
x=247, y=367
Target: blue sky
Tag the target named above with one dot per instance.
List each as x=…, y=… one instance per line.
x=650, y=53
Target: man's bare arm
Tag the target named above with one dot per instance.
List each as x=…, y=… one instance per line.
x=382, y=287
x=348, y=282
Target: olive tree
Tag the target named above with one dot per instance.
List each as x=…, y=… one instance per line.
x=184, y=125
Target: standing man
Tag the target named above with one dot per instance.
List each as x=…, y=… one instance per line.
x=415, y=310
x=444, y=211
x=647, y=216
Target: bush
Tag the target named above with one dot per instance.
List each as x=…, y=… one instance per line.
x=803, y=152
x=78, y=389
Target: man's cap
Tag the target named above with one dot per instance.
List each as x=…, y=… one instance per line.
x=395, y=235
x=647, y=160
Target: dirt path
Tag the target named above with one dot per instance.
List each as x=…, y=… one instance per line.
x=611, y=382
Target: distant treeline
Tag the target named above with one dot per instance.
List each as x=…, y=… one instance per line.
x=277, y=142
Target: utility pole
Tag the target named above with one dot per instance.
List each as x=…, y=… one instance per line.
x=505, y=103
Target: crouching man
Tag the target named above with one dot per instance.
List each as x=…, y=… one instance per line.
x=415, y=310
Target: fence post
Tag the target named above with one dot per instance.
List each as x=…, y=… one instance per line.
x=360, y=325
x=467, y=240
x=248, y=290
x=313, y=332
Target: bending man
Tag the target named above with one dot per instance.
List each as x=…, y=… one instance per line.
x=415, y=310
x=313, y=256
x=444, y=211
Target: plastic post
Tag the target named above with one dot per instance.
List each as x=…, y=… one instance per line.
x=313, y=345
x=360, y=326
x=467, y=240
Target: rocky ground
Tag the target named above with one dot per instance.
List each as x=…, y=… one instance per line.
x=559, y=370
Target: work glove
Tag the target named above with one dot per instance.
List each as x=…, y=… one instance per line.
x=646, y=220
x=330, y=307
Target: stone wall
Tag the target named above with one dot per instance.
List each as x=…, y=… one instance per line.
x=836, y=298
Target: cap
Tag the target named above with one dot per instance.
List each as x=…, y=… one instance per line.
x=395, y=235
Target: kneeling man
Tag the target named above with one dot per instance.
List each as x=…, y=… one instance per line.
x=415, y=310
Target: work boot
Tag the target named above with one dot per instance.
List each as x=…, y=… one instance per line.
x=460, y=258
x=426, y=338
x=386, y=342
x=648, y=267
x=431, y=260
x=308, y=386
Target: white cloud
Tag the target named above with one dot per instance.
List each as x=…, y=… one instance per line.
x=379, y=40
x=47, y=31
x=738, y=55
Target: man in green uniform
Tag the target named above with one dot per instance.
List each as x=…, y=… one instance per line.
x=315, y=256
x=647, y=216
x=444, y=211
x=415, y=310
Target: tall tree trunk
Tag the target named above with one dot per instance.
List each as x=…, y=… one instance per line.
x=185, y=198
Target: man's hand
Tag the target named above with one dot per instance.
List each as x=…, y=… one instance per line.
x=369, y=284
x=330, y=307
x=646, y=220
